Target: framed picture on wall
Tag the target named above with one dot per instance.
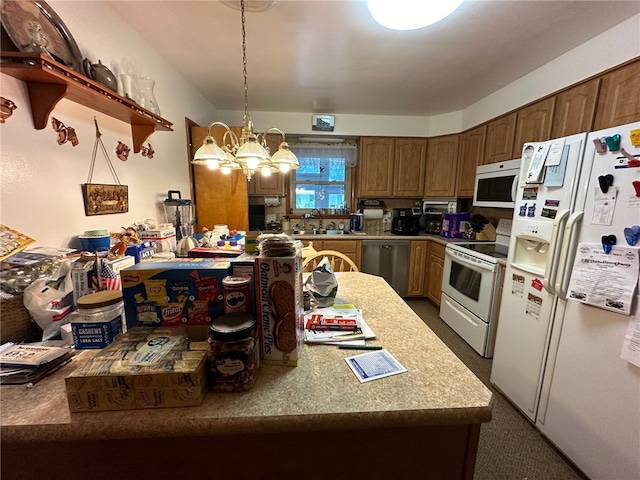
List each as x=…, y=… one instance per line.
x=101, y=199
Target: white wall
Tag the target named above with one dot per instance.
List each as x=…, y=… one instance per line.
x=40, y=181
x=40, y=193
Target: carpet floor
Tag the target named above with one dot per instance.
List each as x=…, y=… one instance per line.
x=510, y=448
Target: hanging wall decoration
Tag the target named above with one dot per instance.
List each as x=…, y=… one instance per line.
x=6, y=108
x=104, y=199
x=147, y=151
x=122, y=151
x=65, y=134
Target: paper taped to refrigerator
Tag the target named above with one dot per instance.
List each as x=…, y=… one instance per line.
x=604, y=280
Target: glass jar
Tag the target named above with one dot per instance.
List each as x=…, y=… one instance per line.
x=233, y=352
x=144, y=94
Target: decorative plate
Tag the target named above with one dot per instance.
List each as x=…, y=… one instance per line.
x=15, y=19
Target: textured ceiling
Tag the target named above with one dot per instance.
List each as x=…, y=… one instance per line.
x=329, y=56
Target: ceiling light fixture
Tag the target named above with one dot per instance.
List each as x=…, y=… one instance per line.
x=249, y=153
x=410, y=14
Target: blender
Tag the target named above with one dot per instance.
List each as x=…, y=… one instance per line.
x=181, y=213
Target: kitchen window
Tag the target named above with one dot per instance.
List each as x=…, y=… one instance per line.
x=323, y=180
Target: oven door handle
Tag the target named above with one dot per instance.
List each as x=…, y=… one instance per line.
x=472, y=265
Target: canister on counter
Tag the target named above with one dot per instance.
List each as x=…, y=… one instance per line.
x=237, y=293
x=233, y=354
x=98, y=319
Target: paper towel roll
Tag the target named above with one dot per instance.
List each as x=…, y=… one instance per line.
x=272, y=201
x=373, y=213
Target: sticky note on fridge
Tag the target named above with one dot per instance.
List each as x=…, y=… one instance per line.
x=634, y=136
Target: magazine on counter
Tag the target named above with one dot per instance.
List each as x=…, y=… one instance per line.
x=332, y=337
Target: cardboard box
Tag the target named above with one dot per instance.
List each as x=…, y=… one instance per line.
x=165, y=239
x=143, y=251
x=83, y=273
x=454, y=225
x=176, y=292
x=279, y=308
x=144, y=368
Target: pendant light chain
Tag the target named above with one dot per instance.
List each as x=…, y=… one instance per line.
x=244, y=65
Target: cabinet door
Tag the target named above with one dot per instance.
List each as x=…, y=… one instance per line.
x=469, y=157
x=499, y=143
x=417, y=268
x=275, y=183
x=619, y=99
x=351, y=248
x=533, y=124
x=435, y=271
x=409, y=167
x=219, y=198
x=442, y=166
x=376, y=166
x=575, y=109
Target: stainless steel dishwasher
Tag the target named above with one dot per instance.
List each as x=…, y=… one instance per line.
x=387, y=259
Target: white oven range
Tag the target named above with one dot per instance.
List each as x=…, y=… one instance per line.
x=471, y=289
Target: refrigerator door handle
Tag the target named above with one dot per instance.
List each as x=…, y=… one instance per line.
x=551, y=269
x=567, y=255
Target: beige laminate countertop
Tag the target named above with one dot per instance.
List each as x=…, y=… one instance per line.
x=377, y=236
x=320, y=394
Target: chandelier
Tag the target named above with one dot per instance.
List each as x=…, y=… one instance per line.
x=250, y=152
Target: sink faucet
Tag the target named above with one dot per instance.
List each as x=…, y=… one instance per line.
x=311, y=215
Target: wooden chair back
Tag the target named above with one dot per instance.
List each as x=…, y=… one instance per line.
x=339, y=261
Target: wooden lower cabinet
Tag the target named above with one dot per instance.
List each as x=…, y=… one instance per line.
x=418, y=254
x=435, y=268
x=351, y=248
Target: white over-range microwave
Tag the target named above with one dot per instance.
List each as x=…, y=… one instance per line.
x=497, y=184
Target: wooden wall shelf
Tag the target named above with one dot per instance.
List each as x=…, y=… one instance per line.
x=49, y=81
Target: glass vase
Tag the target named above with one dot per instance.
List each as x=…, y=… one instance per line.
x=144, y=94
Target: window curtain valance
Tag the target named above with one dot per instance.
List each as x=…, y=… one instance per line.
x=325, y=155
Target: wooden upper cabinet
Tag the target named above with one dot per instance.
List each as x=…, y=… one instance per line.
x=275, y=183
x=533, y=124
x=442, y=166
x=499, y=140
x=575, y=109
x=376, y=166
x=409, y=167
x=619, y=99
x=470, y=156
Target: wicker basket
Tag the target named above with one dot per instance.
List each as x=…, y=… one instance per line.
x=16, y=324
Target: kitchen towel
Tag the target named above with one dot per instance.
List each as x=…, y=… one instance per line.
x=372, y=213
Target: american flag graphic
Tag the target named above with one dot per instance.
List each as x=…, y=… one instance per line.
x=105, y=277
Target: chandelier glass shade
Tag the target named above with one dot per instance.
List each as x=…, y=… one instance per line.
x=250, y=152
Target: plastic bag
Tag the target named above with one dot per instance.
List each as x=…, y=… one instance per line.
x=49, y=301
x=322, y=285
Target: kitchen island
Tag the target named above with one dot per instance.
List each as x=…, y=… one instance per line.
x=314, y=421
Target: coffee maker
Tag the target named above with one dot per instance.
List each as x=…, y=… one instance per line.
x=405, y=221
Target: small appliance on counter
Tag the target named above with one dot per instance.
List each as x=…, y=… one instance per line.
x=405, y=221
x=181, y=212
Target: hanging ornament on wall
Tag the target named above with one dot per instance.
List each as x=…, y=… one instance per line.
x=147, y=151
x=65, y=134
x=122, y=151
x=6, y=108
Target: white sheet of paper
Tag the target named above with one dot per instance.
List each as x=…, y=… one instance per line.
x=631, y=345
x=603, y=206
x=535, y=173
x=374, y=365
x=555, y=153
x=604, y=280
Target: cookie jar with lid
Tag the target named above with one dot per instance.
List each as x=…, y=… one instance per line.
x=233, y=354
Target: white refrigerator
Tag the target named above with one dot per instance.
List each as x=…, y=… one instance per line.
x=559, y=348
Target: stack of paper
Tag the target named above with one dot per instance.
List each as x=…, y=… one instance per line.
x=29, y=362
x=333, y=337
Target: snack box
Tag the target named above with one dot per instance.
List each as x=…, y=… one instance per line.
x=176, y=292
x=142, y=251
x=144, y=368
x=83, y=273
x=279, y=308
x=454, y=225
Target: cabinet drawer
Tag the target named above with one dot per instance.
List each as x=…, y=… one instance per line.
x=437, y=249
